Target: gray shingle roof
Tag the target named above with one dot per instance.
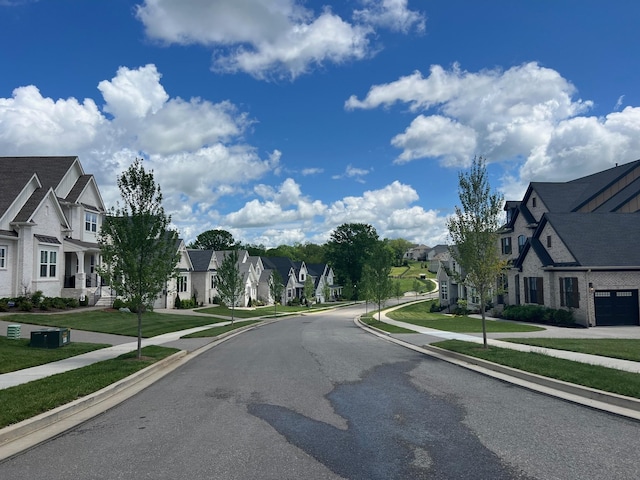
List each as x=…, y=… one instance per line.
x=200, y=259
x=599, y=240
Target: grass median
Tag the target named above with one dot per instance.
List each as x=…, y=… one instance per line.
x=593, y=376
x=30, y=399
x=420, y=314
x=116, y=322
x=15, y=354
x=215, y=331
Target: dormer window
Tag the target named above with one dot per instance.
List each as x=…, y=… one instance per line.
x=533, y=202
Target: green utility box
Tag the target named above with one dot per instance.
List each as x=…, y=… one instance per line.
x=50, y=338
x=13, y=332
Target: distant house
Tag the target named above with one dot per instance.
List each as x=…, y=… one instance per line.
x=417, y=252
x=436, y=255
x=572, y=245
x=51, y=212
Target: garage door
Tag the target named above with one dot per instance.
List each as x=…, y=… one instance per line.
x=616, y=307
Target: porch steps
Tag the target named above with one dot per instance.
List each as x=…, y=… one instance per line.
x=105, y=301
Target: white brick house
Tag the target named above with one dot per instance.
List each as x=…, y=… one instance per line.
x=50, y=216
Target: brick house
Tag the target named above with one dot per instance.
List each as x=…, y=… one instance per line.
x=570, y=245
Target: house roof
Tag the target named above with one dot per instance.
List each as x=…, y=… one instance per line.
x=597, y=239
x=200, y=259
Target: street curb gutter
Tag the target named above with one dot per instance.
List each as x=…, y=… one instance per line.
x=610, y=402
x=33, y=431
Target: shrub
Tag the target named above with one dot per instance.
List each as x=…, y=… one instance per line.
x=37, y=298
x=435, y=307
x=25, y=305
x=118, y=303
x=178, y=303
x=4, y=305
x=538, y=314
x=70, y=302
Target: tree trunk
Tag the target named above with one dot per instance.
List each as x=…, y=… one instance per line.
x=139, y=332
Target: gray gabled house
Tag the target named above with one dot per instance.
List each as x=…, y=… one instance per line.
x=571, y=245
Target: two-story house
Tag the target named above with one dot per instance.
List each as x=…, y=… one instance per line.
x=572, y=245
x=51, y=212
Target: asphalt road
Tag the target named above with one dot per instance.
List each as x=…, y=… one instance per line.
x=315, y=397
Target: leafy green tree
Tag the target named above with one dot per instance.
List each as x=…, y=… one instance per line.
x=416, y=286
x=397, y=290
x=309, y=290
x=399, y=246
x=139, y=251
x=326, y=292
x=348, y=250
x=214, y=240
x=376, y=274
x=473, y=230
x=276, y=288
x=229, y=281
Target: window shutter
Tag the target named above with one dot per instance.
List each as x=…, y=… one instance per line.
x=562, y=299
x=526, y=289
x=540, y=288
x=575, y=294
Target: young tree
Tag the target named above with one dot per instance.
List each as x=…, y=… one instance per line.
x=397, y=290
x=214, y=240
x=309, y=290
x=400, y=246
x=229, y=281
x=139, y=251
x=376, y=275
x=473, y=231
x=348, y=250
x=276, y=288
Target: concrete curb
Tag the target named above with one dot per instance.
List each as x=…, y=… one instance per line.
x=33, y=431
x=609, y=402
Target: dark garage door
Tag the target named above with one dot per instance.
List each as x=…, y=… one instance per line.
x=616, y=307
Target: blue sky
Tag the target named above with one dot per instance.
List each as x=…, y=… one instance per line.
x=279, y=120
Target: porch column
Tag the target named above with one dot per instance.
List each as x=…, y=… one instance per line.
x=80, y=275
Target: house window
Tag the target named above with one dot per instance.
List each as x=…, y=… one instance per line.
x=90, y=222
x=521, y=241
x=548, y=241
x=182, y=284
x=475, y=298
x=48, y=263
x=3, y=257
x=444, y=291
x=569, y=295
x=533, y=290
x=533, y=202
x=289, y=292
x=506, y=245
x=213, y=281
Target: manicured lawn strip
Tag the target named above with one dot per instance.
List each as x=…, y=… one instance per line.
x=30, y=399
x=387, y=327
x=623, y=348
x=420, y=314
x=594, y=376
x=17, y=354
x=215, y=331
x=120, y=323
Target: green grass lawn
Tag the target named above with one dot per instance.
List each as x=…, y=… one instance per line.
x=420, y=314
x=387, y=327
x=215, y=331
x=594, y=376
x=220, y=310
x=17, y=354
x=623, y=348
x=30, y=399
x=120, y=323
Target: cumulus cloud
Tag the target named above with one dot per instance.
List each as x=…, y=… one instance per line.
x=279, y=37
x=527, y=114
x=392, y=14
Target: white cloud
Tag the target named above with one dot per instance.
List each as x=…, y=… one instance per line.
x=312, y=171
x=32, y=123
x=436, y=137
x=527, y=115
x=273, y=38
x=353, y=172
x=392, y=14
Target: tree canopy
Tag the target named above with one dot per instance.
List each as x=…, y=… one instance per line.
x=473, y=230
x=139, y=251
x=214, y=240
x=348, y=249
x=378, y=285
x=229, y=281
